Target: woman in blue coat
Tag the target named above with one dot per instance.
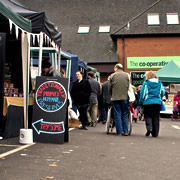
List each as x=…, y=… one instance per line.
x=151, y=93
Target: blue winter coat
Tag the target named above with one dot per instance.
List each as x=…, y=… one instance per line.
x=151, y=92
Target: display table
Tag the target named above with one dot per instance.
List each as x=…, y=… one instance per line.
x=15, y=101
x=13, y=110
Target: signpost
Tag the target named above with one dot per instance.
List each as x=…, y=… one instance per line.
x=50, y=109
x=137, y=78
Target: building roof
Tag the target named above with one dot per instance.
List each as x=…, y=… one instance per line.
x=138, y=25
x=95, y=47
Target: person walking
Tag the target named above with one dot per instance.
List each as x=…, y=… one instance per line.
x=139, y=109
x=106, y=99
x=80, y=93
x=93, y=106
x=176, y=101
x=118, y=89
x=151, y=93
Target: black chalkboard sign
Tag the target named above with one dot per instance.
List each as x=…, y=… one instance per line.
x=50, y=109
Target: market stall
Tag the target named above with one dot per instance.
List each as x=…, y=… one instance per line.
x=46, y=35
x=169, y=75
x=12, y=25
x=69, y=62
x=76, y=64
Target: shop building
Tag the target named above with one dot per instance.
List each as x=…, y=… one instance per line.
x=105, y=32
x=150, y=40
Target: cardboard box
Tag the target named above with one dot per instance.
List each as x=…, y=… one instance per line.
x=73, y=123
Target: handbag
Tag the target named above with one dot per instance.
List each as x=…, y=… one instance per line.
x=163, y=107
x=131, y=94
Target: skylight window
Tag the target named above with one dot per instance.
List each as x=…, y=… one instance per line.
x=172, y=18
x=83, y=29
x=153, y=19
x=104, y=29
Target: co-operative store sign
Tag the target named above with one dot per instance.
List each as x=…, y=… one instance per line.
x=150, y=62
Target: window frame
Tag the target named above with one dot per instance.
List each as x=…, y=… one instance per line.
x=150, y=21
x=172, y=14
x=106, y=27
x=81, y=31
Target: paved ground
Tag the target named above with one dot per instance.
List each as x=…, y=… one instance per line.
x=95, y=155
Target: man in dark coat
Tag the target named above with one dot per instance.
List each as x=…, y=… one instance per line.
x=93, y=106
x=106, y=99
x=80, y=93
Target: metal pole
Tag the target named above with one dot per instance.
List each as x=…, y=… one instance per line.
x=26, y=66
x=40, y=52
x=59, y=59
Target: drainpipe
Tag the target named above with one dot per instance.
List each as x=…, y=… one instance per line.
x=123, y=46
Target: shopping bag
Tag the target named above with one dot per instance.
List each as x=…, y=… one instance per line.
x=163, y=107
x=135, y=114
x=131, y=94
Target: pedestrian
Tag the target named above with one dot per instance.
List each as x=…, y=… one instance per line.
x=118, y=89
x=93, y=106
x=48, y=70
x=151, y=93
x=135, y=104
x=100, y=106
x=176, y=101
x=80, y=93
x=139, y=109
x=106, y=99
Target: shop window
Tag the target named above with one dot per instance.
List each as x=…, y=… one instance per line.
x=104, y=29
x=153, y=19
x=83, y=29
x=172, y=18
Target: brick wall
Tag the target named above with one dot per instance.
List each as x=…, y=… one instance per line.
x=147, y=46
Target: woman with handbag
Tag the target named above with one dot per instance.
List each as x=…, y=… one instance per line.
x=151, y=93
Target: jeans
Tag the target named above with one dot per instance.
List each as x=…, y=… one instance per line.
x=121, y=111
x=103, y=112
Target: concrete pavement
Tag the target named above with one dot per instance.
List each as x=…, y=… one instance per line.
x=95, y=155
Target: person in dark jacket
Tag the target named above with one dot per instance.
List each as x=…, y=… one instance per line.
x=106, y=98
x=93, y=106
x=80, y=93
x=48, y=70
x=151, y=93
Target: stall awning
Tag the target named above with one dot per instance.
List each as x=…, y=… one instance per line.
x=169, y=73
x=94, y=70
x=17, y=19
x=39, y=21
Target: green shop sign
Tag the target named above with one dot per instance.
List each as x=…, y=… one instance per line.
x=150, y=62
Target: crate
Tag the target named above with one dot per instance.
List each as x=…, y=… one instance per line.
x=73, y=123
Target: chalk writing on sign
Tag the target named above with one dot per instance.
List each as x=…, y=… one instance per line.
x=51, y=96
x=48, y=127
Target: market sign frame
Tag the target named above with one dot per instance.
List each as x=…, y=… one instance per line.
x=150, y=62
x=50, y=122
